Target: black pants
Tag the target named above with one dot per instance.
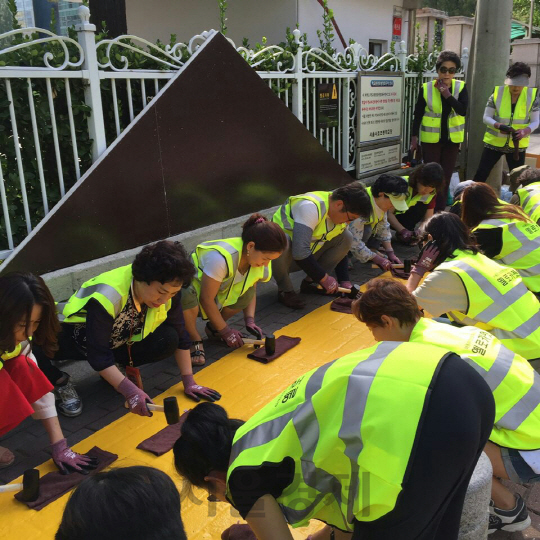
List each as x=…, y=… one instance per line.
x=160, y=344
x=456, y=422
x=489, y=159
x=412, y=216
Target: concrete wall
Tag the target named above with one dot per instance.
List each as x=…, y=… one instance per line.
x=361, y=20
x=458, y=33
x=186, y=18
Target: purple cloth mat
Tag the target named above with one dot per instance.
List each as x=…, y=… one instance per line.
x=341, y=305
x=283, y=344
x=163, y=440
x=53, y=485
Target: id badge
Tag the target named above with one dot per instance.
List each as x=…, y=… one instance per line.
x=134, y=375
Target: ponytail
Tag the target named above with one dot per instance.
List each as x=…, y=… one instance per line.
x=267, y=235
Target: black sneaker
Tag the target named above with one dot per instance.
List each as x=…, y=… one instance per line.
x=68, y=402
x=509, y=520
x=310, y=287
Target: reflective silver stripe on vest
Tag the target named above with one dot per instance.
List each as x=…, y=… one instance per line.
x=266, y=272
x=528, y=107
x=109, y=292
x=518, y=235
x=321, y=202
x=287, y=222
x=528, y=327
x=527, y=199
x=533, y=271
x=60, y=310
x=430, y=129
x=500, y=368
x=457, y=88
x=456, y=129
x=498, y=102
x=523, y=408
x=430, y=114
x=533, y=209
x=512, y=296
x=235, y=255
x=429, y=101
x=360, y=382
x=496, y=132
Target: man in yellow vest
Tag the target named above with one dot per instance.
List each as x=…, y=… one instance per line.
x=392, y=314
x=388, y=193
x=316, y=225
x=512, y=114
x=131, y=316
x=373, y=444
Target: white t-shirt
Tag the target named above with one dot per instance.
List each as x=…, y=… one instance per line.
x=306, y=213
x=214, y=266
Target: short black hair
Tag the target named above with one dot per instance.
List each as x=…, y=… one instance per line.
x=129, y=503
x=354, y=197
x=517, y=69
x=427, y=174
x=448, y=56
x=388, y=183
x=164, y=261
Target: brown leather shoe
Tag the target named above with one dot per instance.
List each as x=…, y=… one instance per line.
x=291, y=300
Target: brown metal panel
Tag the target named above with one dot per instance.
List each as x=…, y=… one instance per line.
x=216, y=144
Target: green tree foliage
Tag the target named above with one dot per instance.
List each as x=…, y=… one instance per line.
x=453, y=7
x=522, y=10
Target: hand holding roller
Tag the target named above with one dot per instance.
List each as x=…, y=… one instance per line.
x=169, y=407
x=29, y=486
x=351, y=293
x=269, y=343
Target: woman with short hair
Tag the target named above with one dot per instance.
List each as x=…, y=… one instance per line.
x=439, y=120
x=512, y=114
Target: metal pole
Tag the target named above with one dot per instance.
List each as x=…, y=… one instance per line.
x=487, y=67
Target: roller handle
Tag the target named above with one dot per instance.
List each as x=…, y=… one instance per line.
x=154, y=407
x=254, y=341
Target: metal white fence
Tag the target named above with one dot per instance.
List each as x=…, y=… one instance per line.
x=95, y=81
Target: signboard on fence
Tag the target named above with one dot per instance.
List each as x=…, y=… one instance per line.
x=327, y=105
x=380, y=104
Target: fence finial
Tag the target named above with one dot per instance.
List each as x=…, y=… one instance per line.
x=84, y=14
x=297, y=35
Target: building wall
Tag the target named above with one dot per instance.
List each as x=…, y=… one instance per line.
x=361, y=20
x=186, y=18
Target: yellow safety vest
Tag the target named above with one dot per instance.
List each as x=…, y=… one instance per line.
x=519, y=119
x=414, y=199
x=529, y=200
x=8, y=355
x=520, y=249
x=284, y=218
x=499, y=302
x=229, y=292
x=338, y=423
x=111, y=289
x=509, y=376
x=430, y=130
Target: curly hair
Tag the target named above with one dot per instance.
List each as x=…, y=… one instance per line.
x=529, y=176
x=517, y=69
x=427, y=174
x=164, y=261
x=448, y=56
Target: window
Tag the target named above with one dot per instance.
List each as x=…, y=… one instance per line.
x=377, y=47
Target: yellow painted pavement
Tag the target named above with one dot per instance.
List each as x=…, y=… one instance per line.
x=246, y=386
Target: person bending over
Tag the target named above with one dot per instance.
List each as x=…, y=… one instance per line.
x=318, y=239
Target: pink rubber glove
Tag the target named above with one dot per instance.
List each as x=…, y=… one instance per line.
x=238, y=532
x=521, y=134
x=232, y=337
x=252, y=328
x=405, y=235
x=381, y=262
x=414, y=143
x=329, y=284
x=135, y=397
x=197, y=392
x=426, y=261
x=392, y=257
x=69, y=461
x=442, y=88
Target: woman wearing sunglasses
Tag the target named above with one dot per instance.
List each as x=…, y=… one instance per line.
x=439, y=120
x=512, y=114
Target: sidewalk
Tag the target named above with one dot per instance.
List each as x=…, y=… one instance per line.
x=102, y=405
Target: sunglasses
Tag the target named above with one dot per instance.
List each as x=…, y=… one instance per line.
x=447, y=70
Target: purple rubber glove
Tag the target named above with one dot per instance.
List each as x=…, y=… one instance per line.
x=382, y=263
x=232, y=337
x=426, y=261
x=197, y=392
x=238, y=532
x=69, y=461
x=405, y=235
x=392, y=257
x=252, y=328
x=135, y=397
x=442, y=88
x=329, y=284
